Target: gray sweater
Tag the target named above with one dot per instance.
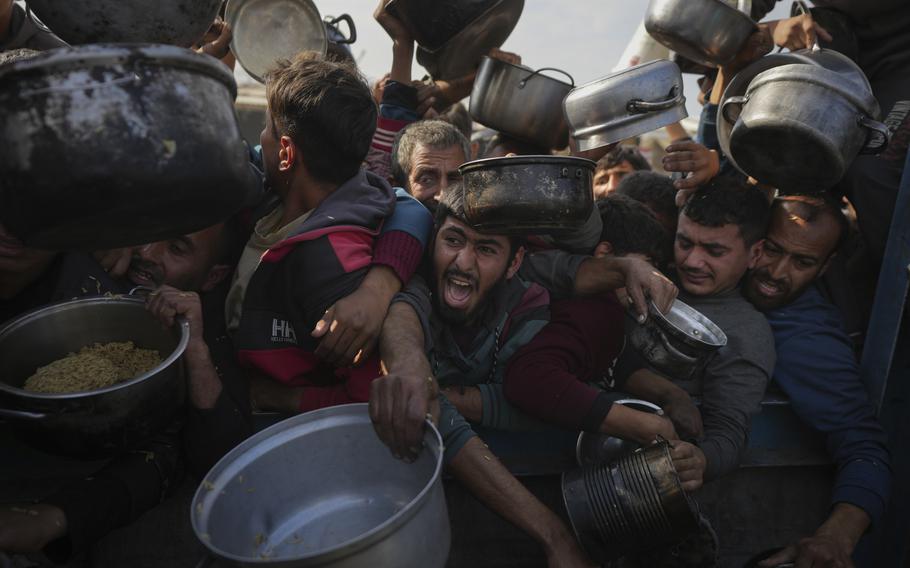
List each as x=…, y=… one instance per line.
x=734, y=380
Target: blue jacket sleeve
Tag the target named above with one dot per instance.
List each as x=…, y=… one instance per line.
x=816, y=368
x=411, y=217
x=399, y=102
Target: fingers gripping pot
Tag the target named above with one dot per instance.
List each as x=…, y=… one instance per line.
x=800, y=126
x=101, y=421
x=678, y=343
x=115, y=145
x=625, y=104
x=521, y=102
x=520, y=195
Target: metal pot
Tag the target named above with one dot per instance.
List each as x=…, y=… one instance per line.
x=528, y=194
x=110, y=146
x=800, y=126
x=338, y=42
x=176, y=22
x=678, y=343
x=596, y=448
x=637, y=503
x=432, y=24
x=706, y=31
x=521, y=102
x=461, y=53
x=320, y=489
x=625, y=104
x=97, y=422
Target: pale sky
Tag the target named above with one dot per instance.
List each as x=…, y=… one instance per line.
x=582, y=37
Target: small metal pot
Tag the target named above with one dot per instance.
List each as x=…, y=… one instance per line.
x=320, y=489
x=678, y=343
x=98, y=422
x=115, y=145
x=625, y=104
x=291, y=27
x=528, y=194
x=826, y=58
x=800, y=126
x=706, y=31
x=338, y=43
x=175, y=22
x=596, y=448
x=521, y=102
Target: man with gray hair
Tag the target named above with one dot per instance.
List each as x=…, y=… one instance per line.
x=425, y=159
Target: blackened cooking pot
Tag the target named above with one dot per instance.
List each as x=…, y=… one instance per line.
x=177, y=22
x=519, y=195
x=97, y=422
x=116, y=145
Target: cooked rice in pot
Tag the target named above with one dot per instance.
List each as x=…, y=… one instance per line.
x=94, y=367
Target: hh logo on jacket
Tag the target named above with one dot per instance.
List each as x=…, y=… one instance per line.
x=283, y=331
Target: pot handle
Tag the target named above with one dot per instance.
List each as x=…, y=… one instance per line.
x=637, y=106
x=38, y=23
x=725, y=107
x=523, y=82
x=352, y=29
x=874, y=145
x=21, y=414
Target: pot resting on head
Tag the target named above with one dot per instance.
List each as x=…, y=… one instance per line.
x=521, y=195
x=115, y=145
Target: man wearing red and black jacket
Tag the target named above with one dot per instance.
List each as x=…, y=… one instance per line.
x=316, y=244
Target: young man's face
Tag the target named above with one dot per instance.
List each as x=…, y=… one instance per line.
x=466, y=266
x=432, y=171
x=187, y=262
x=711, y=260
x=794, y=254
x=606, y=180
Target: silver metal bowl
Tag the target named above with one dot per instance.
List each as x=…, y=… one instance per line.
x=320, y=489
x=706, y=31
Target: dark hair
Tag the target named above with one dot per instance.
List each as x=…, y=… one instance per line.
x=813, y=207
x=630, y=227
x=327, y=108
x=513, y=146
x=452, y=205
x=725, y=201
x=651, y=188
x=435, y=134
x=622, y=154
x=457, y=115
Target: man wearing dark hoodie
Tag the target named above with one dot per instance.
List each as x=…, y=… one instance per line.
x=315, y=245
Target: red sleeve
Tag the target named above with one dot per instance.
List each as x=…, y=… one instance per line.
x=399, y=251
x=355, y=387
x=547, y=378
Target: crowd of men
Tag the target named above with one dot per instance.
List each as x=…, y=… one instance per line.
x=359, y=278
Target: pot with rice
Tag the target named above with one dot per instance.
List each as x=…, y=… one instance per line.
x=90, y=377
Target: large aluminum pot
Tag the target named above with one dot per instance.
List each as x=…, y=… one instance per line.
x=97, y=422
x=320, y=489
x=432, y=24
x=678, y=343
x=528, y=194
x=116, y=145
x=177, y=22
x=825, y=58
x=625, y=104
x=706, y=31
x=521, y=102
x=798, y=127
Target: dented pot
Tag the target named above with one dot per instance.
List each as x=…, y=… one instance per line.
x=116, y=145
x=528, y=194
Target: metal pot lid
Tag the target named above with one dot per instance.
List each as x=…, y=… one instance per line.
x=686, y=323
x=268, y=30
x=490, y=163
x=80, y=303
x=827, y=58
x=625, y=104
x=849, y=88
x=460, y=55
x=86, y=56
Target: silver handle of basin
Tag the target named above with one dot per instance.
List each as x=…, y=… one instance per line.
x=21, y=414
x=640, y=106
x=676, y=352
x=729, y=103
x=523, y=82
x=875, y=126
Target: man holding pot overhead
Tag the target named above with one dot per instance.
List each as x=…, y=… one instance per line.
x=458, y=328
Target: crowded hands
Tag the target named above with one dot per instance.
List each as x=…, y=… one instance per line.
x=400, y=404
x=643, y=281
x=698, y=164
x=798, y=32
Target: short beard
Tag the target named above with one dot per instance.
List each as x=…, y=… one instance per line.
x=461, y=318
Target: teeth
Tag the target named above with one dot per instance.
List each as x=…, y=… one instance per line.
x=461, y=283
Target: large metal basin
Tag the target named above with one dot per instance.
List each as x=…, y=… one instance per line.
x=97, y=422
x=320, y=489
